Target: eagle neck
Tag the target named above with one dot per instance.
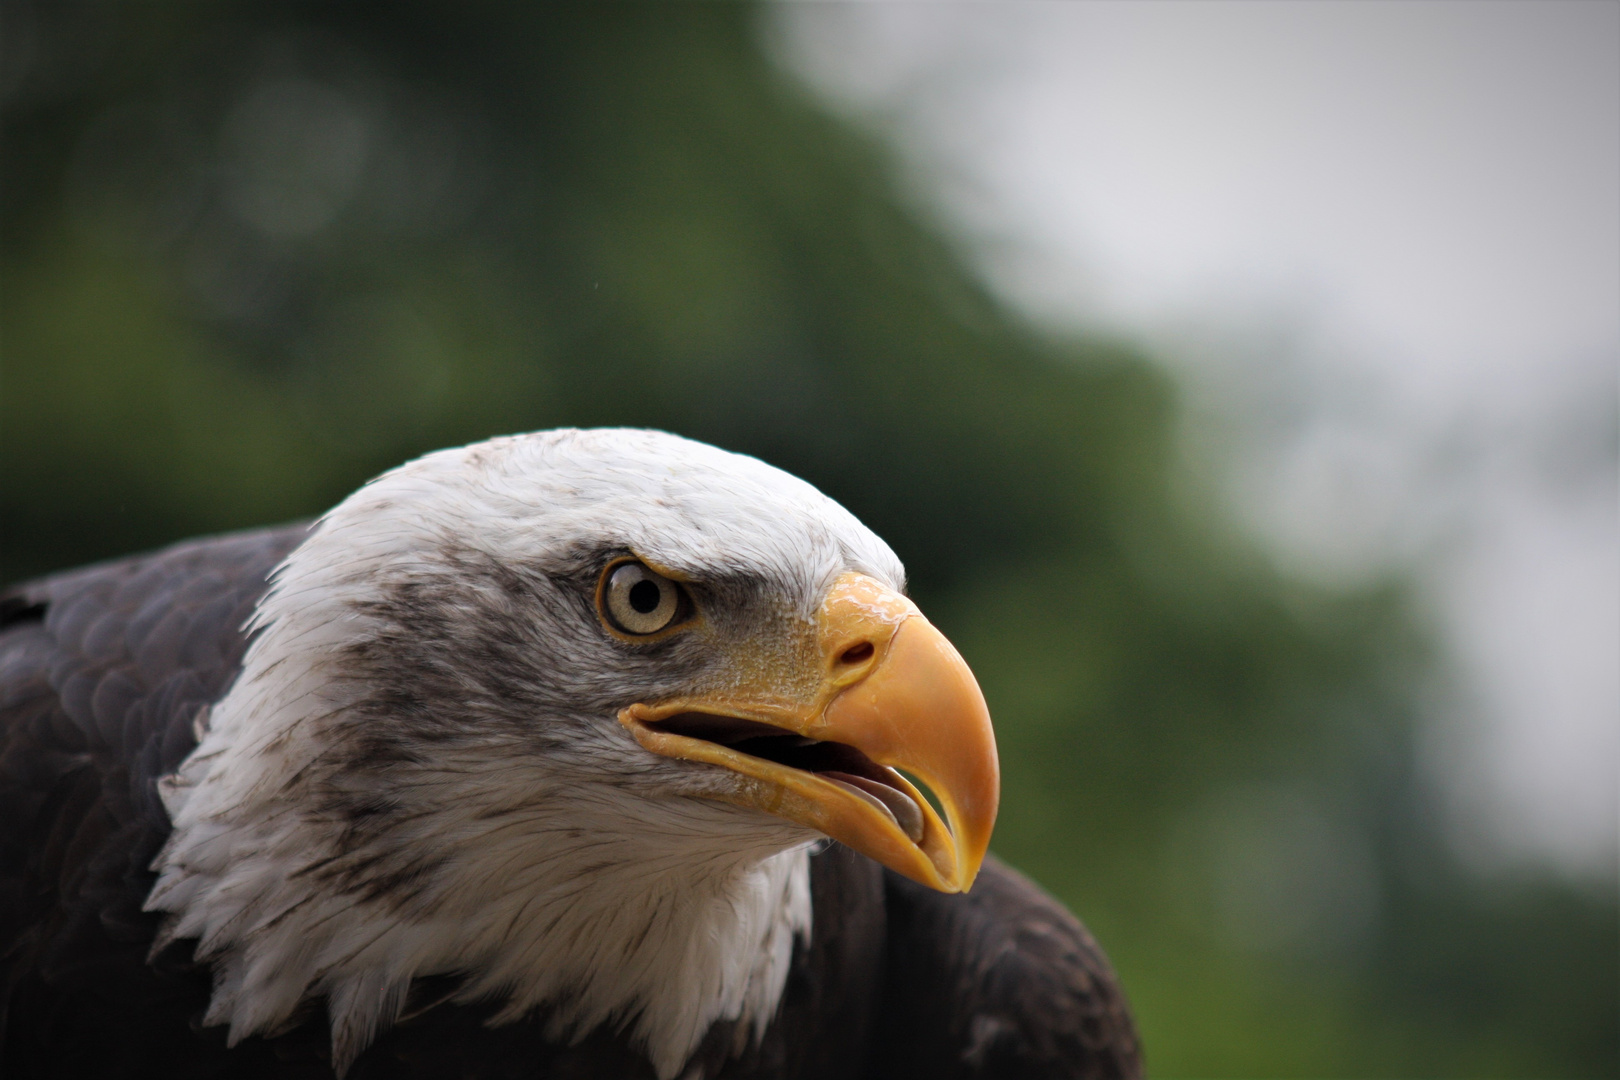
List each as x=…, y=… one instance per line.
x=577, y=904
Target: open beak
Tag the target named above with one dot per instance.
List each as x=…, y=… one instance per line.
x=893, y=695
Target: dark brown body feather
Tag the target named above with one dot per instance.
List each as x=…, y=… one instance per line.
x=103, y=673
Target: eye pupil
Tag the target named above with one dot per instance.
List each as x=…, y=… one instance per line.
x=644, y=596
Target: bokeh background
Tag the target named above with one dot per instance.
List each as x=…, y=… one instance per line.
x=1031, y=289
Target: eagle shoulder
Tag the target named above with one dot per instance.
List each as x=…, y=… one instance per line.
x=999, y=982
x=103, y=673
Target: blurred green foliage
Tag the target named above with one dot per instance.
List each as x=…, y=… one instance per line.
x=252, y=254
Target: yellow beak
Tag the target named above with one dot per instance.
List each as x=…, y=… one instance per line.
x=893, y=695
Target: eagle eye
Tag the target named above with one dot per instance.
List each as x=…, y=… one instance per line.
x=636, y=600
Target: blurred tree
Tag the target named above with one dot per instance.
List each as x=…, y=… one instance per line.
x=252, y=254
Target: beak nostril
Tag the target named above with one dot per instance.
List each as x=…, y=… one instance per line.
x=856, y=653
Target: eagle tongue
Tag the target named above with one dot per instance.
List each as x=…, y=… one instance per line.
x=895, y=804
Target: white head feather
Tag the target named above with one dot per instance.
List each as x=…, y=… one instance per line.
x=419, y=770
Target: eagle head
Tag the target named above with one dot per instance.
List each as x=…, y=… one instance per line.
x=560, y=715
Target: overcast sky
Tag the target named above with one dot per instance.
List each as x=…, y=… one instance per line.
x=1381, y=244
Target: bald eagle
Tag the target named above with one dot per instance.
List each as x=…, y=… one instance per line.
x=572, y=754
